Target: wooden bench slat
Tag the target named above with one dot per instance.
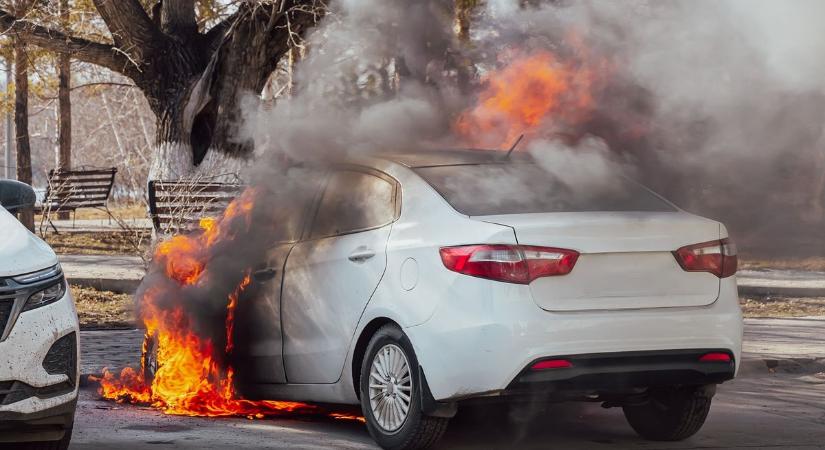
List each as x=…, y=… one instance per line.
x=69, y=190
x=178, y=205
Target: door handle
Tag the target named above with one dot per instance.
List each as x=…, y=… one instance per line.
x=265, y=274
x=361, y=254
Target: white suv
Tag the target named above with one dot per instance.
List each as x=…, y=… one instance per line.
x=38, y=334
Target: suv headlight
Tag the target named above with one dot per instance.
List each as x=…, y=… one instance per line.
x=46, y=296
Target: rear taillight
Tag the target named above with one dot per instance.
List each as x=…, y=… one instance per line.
x=552, y=364
x=716, y=357
x=509, y=263
x=716, y=257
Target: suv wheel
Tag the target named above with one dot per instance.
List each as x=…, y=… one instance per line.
x=391, y=394
x=671, y=414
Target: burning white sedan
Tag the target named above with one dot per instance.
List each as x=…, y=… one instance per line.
x=411, y=283
x=414, y=282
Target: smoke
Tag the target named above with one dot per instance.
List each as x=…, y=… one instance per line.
x=719, y=105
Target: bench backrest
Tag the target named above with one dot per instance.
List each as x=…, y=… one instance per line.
x=69, y=190
x=176, y=206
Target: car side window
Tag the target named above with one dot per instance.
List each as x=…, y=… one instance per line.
x=354, y=201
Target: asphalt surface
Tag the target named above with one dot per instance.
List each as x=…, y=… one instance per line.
x=758, y=410
x=763, y=408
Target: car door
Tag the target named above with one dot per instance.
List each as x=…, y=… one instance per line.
x=258, y=353
x=331, y=275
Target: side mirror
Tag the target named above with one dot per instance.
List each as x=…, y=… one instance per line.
x=15, y=195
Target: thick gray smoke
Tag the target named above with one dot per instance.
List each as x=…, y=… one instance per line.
x=719, y=105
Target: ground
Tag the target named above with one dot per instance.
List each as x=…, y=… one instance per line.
x=758, y=410
x=103, y=309
x=782, y=306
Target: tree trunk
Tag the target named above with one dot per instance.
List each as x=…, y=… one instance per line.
x=64, y=139
x=194, y=82
x=21, y=122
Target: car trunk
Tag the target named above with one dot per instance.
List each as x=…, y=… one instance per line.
x=626, y=259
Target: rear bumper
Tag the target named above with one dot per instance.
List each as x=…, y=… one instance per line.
x=616, y=371
x=476, y=346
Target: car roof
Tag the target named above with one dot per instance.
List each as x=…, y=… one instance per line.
x=452, y=157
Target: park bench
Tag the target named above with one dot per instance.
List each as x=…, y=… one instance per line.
x=70, y=190
x=177, y=206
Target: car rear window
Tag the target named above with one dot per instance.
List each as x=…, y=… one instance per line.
x=521, y=188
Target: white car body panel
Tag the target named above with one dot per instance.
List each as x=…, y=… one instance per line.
x=35, y=331
x=21, y=251
x=22, y=353
x=323, y=297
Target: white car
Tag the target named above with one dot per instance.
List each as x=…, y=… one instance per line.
x=414, y=282
x=38, y=335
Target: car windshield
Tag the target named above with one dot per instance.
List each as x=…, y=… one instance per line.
x=520, y=188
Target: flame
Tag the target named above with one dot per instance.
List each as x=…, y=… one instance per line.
x=191, y=379
x=535, y=93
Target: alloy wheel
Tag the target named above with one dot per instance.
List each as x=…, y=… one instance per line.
x=390, y=387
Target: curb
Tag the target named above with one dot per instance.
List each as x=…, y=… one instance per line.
x=798, y=366
x=117, y=286
x=774, y=291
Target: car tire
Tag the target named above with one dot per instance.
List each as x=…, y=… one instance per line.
x=150, y=358
x=62, y=444
x=383, y=402
x=670, y=414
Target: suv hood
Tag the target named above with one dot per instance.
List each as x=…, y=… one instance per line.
x=20, y=250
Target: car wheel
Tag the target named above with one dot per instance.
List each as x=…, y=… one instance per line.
x=150, y=358
x=391, y=394
x=671, y=414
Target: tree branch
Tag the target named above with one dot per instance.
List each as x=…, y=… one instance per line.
x=177, y=18
x=132, y=29
x=215, y=35
x=82, y=49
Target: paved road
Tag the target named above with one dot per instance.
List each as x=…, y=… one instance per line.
x=760, y=410
x=789, y=283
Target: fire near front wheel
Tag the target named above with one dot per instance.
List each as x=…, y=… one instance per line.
x=390, y=394
x=671, y=414
x=150, y=358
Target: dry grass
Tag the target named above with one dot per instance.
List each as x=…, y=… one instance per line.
x=100, y=243
x=782, y=307
x=815, y=263
x=103, y=309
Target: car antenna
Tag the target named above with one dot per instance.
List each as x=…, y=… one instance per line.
x=515, y=144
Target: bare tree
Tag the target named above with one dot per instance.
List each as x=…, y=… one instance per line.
x=192, y=78
x=64, y=99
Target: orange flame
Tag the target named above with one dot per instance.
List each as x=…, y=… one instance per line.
x=190, y=379
x=534, y=93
